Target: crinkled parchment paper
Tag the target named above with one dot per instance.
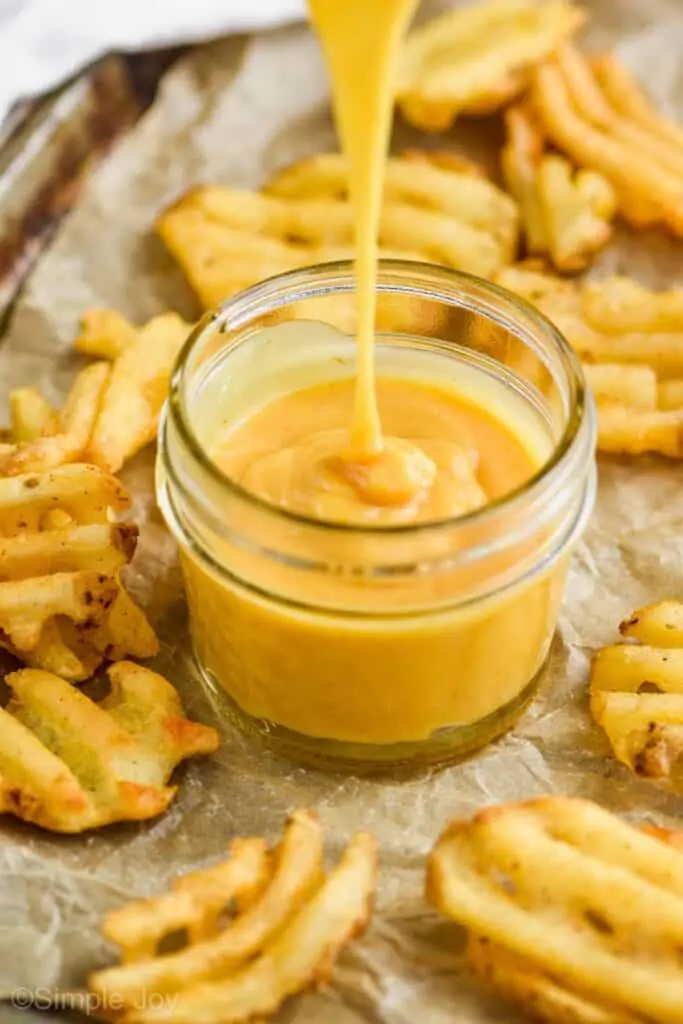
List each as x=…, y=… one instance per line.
x=236, y=111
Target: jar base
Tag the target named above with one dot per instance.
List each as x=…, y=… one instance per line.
x=443, y=748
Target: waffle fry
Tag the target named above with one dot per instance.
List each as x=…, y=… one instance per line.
x=646, y=733
x=637, y=692
x=196, y=904
x=290, y=923
x=580, y=311
x=137, y=387
x=670, y=394
x=31, y=415
x=660, y=624
x=62, y=650
x=553, y=892
x=566, y=214
x=639, y=409
x=69, y=765
x=475, y=59
x=103, y=547
x=228, y=239
x=104, y=334
x=625, y=95
x=72, y=430
x=113, y=409
x=627, y=431
x=125, y=632
x=544, y=998
x=619, y=305
x=520, y=981
x=84, y=493
x=431, y=180
x=599, y=117
x=614, y=383
x=62, y=605
x=26, y=606
x=536, y=283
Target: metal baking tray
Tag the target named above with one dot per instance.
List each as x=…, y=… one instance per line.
x=48, y=148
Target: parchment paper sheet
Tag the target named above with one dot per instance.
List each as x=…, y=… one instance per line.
x=235, y=111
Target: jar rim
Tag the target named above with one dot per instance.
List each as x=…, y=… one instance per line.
x=323, y=279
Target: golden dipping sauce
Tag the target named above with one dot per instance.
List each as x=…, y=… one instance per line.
x=444, y=456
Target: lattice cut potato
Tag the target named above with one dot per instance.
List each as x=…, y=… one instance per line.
x=637, y=693
x=41, y=439
x=68, y=764
x=474, y=59
x=142, y=361
x=259, y=927
x=437, y=208
x=573, y=913
x=593, y=110
x=63, y=607
x=630, y=341
x=114, y=405
x=566, y=212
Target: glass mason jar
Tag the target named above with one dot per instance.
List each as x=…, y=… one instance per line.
x=370, y=647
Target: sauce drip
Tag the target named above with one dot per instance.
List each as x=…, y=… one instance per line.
x=361, y=40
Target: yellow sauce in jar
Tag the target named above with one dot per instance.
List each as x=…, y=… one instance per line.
x=347, y=659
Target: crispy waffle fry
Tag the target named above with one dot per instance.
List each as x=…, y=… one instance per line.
x=660, y=624
x=625, y=96
x=196, y=903
x=638, y=411
x=542, y=997
x=85, y=493
x=227, y=239
x=645, y=731
x=62, y=605
x=69, y=765
x=580, y=310
x=475, y=59
x=520, y=158
x=619, y=305
x=634, y=386
x=125, y=632
x=637, y=151
x=622, y=429
x=432, y=180
x=62, y=649
x=566, y=214
x=535, y=282
x=27, y=605
x=136, y=391
x=31, y=415
x=104, y=334
x=563, y=887
x=670, y=394
x=289, y=925
x=637, y=692
x=103, y=547
x=296, y=873
x=72, y=432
